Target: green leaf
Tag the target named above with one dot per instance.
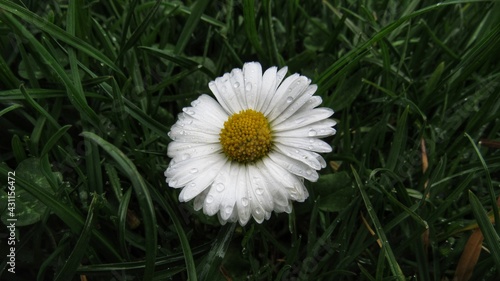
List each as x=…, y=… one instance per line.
x=28, y=209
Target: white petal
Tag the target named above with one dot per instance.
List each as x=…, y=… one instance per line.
x=267, y=89
x=270, y=90
x=294, y=166
x=223, y=91
x=198, y=200
x=180, y=173
x=208, y=110
x=201, y=182
x=292, y=88
x=311, y=144
x=291, y=184
x=242, y=197
x=258, y=189
x=304, y=118
x=296, y=104
x=184, y=151
x=229, y=195
x=252, y=73
x=218, y=190
x=318, y=129
x=181, y=134
x=308, y=157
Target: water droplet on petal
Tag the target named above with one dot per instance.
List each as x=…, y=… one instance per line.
x=173, y=182
x=259, y=191
x=289, y=99
x=258, y=210
x=193, y=171
x=248, y=86
x=209, y=199
x=228, y=209
x=195, y=103
x=312, y=133
x=236, y=84
x=219, y=187
x=192, y=184
x=309, y=172
x=185, y=156
x=188, y=111
x=244, y=201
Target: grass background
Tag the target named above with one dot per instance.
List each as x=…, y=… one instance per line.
x=89, y=89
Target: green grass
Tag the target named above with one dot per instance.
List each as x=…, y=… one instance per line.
x=89, y=90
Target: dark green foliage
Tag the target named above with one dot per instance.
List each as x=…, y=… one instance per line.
x=89, y=90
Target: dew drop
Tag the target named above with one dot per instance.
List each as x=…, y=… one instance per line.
x=309, y=172
x=259, y=191
x=312, y=133
x=236, y=84
x=244, y=201
x=219, y=187
x=248, y=86
x=209, y=199
x=228, y=209
x=192, y=184
x=289, y=99
x=185, y=156
x=193, y=171
x=258, y=210
x=173, y=183
x=195, y=103
x=188, y=111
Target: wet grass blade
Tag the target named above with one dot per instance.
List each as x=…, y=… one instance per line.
x=142, y=195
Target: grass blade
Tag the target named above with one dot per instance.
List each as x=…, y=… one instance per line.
x=143, y=196
x=386, y=247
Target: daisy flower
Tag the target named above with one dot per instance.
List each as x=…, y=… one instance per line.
x=247, y=153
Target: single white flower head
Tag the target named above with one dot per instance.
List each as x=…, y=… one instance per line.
x=247, y=154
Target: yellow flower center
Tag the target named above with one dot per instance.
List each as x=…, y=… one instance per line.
x=246, y=136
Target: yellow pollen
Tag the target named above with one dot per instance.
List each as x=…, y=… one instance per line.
x=246, y=136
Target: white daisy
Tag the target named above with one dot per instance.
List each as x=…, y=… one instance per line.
x=247, y=153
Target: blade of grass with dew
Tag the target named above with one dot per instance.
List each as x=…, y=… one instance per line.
x=39, y=108
x=72, y=219
x=187, y=31
x=68, y=270
x=54, y=139
x=249, y=22
x=145, y=120
x=143, y=197
x=399, y=141
x=186, y=248
x=7, y=77
x=122, y=222
x=386, y=247
x=56, y=32
x=76, y=97
x=209, y=269
x=139, y=31
x=329, y=76
x=18, y=149
x=489, y=183
x=180, y=60
x=9, y=109
x=490, y=235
